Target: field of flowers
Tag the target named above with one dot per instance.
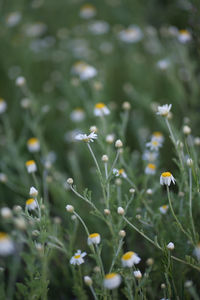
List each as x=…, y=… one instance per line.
x=99, y=143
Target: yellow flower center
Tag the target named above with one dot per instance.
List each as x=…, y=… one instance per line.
x=100, y=105
x=93, y=235
x=110, y=275
x=184, y=31
x=1, y=100
x=30, y=201
x=155, y=143
x=30, y=162
x=77, y=256
x=121, y=171
x=127, y=255
x=78, y=109
x=151, y=166
x=166, y=174
x=157, y=134
x=3, y=235
x=88, y=6
x=164, y=206
x=32, y=141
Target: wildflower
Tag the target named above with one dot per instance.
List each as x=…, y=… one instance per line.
x=184, y=36
x=197, y=141
x=112, y=281
x=129, y=259
x=163, y=64
x=13, y=18
x=122, y=233
x=132, y=191
x=98, y=27
x=6, y=244
x=154, y=145
x=20, y=223
x=84, y=71
x=163, y=209
x=88, y=280
x=3, y=177
x=120, y=173
x=93, y=129
x=137, y=274
x=77, y=115
x=3, y=106
x=110, y=138
x=20, y=81
x=33, y=192
x=170, y=246
x=94, y=238
x=150, y=261
x=126, y=105
x=70, y=208
x=77, y=259
x=106, y=211
x=31, y=204
x=31, y=166
x=186, y=130
x=118, y=181
x=188, y=283
x=166, y=178
x=189, y=162
x=197, y=251
x=149, y=191
x=149, y=156
x=150, y=169
x=70, y=181
x=87, y=11
x=33, y=145
x=120, y=210
x=101, y=109
x=118, y=144
x=158, y=136
x=132, y=34
x=6, y=213
x=86, y=138
x=164, y=110
x=104, y=158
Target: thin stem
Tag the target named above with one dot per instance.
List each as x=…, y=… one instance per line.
x=93, y=292
x=116, y=254
x=82, y=222
x=100, y=260
x=94, y=158
x=85, y=199
x=190, y=203
x=114, y=163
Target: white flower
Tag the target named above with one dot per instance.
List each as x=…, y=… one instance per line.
x=77, y=259
x=118, y=144
x=87, y=11
x=33, y=192
x=83, y=70
x=3, y=106
x=110, y=138
x=3, y=177
x=119, y=172
x=101, y=109
x=163, y=209
x=164, y=110
x=149, y=156
x=129, y=259
x=33, y=144
x=184, y=36
x=166, y=178
x=132, y=34
x=170, y=246
x=158, y=136
x=13, y=18
x=20, y=81
x=86, y=138
x=137, y=274
x=77, y=115
x=150, y=169
x=6, y=213
x=6, y=244
x=94, y=238
x=163, y=64
x=197, y=251
x=98, y=27
x=31, y=166
x=154, y=145
x=120, y=210
x=70, y=208
x=31, y=204
x=112, y=281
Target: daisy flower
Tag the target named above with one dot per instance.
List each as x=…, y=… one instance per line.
x=86, y=138
x=101, y=109
x=129, y=259
x=137, y=274
x=33, y=144
x=154, y=145
x=3, y=106
x=166, y=178
x=150, y=156
x=98, y=27
x=112, y=281
x=150, y=169
x=31, y=204
x=130, y=35
x=158, y=136
x=163, y=209
x=94, y=238
x=13, y=18
x=197, y=251
x=83, y=70
x=163, y=64
x=77, y=259
x=31, y=166
x=164, y=110
x=87, y=11
x=184, y=36
x=120, y=173
x=77, y=115
x=6, y=244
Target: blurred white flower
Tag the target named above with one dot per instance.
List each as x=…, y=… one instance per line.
x=77, y=115
x=98, y=27
x=112, y=281
x=164, y=110
x=154, y=145
x=132, y=34
x=87, y=11
x=13, y=18
x=6, y=244
x=163, y=64
x=3, y=106
x=163, y=209
x=86, y=138
x=101, y=109
x=94, y=238
x=184, y=36
x=150, y=156
x=33, y=145
x=31, y=166
x=83, y=70
x=150, y=169
x=31, y=204
x=130, y=258
x=119, y=172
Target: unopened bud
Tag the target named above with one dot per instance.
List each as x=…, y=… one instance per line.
x=137, y=274
x=33, y=192
x=106, y=211
x=20, y=81
x=122, y=233
x=70, y=181
x=70, y=208
x=120, y=210
x=104, y=158
x=126, y=106
x=189, y=162
x=118, y=144
x=88, y=280
x=93, y=129
x=170, y=246
x=186, y=130
x=132, y=191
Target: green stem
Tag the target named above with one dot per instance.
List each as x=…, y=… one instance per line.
x=116, y=255
x=190, y=203
x=93, y=292
x=94, y=158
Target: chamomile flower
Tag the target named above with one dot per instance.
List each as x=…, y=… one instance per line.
x=153, y=145
x=137, y=274
x=150, y=156
x=98, y=27
x=87, y=11
x=77, y=115
x=132, y=34
x=31, y=204
x=101, y=109
x=129, y=259
x=31, y=166
x=150, y=169
x=163, y=209
x=120, y=173
x=83, y=70
x=94, y=238
x=158, y=136
x=77, y=259
x=3, y=106
x=197, y=251
x=166, y=178
x=112, y=281
x=6, y=244
x=33, y=145
x=13, y=18
x=86, y=138
x=184, y=36
x=163, y=64
x=164, y=110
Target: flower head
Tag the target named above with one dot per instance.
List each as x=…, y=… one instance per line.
x=150, y=169
x=3, y=106
x=154, y=145
x=163, y=209
x=158, y=136
x=166, y=178
x=184, y=36
x=84, y=71
x=129, y=259
x=101, y=109
x=130, y=35
x=87, y=11
x=164, y=110
x=31, y=166
x=112, y=281
x=149, y=156
x=137, y=274
x=33, y=144
x=31, y=204
x=86, y=138
x=119, y=172
x=94, y=238
x=33, y=192
x=77, y=115
x=77, y=259
x=6, y=244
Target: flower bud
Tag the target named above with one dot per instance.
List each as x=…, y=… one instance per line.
x=33, y=192
x=93, y=129
x=104, y=158
x=106, y=211
x=163, y=286
x=150, y=261
x=70, y=181
x=110, y=138
x=118, y=144
x=137, y=274
x=6, y=213
x=120, y=210
x=189, y=162
x=20, y=81
x=126, y=105
x=186, y=129
x=170, y=246
x=70, y=208
x=122, y=233
x=132, y=191
x=149, y=191
x=88, y=280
